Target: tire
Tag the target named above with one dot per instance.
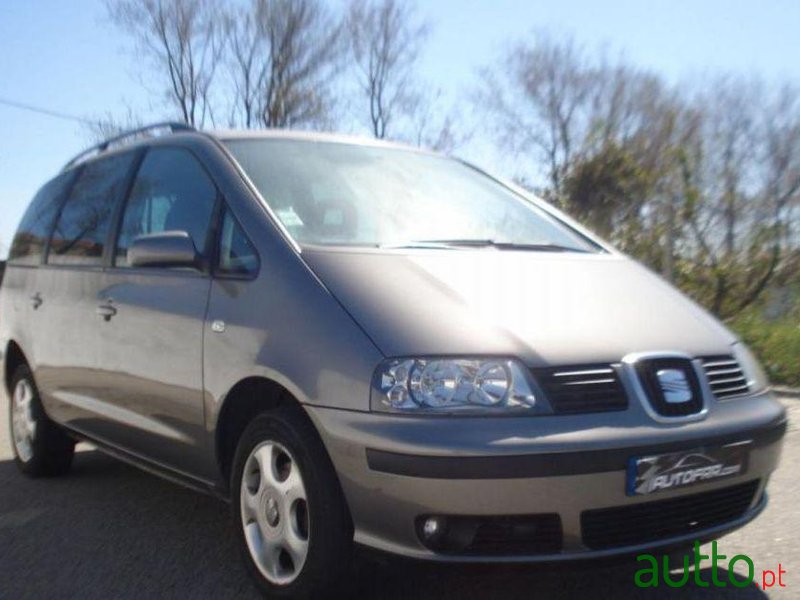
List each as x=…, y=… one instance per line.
x=291, y=520
x=41, y=447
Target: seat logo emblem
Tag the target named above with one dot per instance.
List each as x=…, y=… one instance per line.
x=674, y=385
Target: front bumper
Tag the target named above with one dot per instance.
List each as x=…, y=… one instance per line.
x=396, y=469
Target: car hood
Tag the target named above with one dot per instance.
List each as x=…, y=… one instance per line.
x=545, y=308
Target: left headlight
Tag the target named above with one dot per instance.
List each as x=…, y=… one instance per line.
x=756, y=377
x=453, y=385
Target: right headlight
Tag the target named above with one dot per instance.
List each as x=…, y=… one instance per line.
x=454, y=385
x=756, y=377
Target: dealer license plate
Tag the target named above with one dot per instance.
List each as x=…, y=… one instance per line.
x=661, y=472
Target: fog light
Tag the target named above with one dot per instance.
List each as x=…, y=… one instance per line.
x=491, y=535
x=433, y=526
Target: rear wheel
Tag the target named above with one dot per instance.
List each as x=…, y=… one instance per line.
x=41, y=448
x=292, y=522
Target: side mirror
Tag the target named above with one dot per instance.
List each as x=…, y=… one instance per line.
x=165, y=249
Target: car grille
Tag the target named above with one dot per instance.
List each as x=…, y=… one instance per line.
x=539, y=534
x=653, y=521
x=583, y=388
x=725, y=377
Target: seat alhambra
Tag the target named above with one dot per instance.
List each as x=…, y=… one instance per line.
x=359, y=342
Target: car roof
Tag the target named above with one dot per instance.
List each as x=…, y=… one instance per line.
x=144, y=135
x=225, y=135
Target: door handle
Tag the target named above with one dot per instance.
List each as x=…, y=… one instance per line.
x=36, y=300
x=106, y=311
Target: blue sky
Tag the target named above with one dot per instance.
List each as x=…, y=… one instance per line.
x=66, y=56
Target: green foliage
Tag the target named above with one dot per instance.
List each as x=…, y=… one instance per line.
x=775, y=341
x=720, y=254
x=726, y=287
x=608, y=189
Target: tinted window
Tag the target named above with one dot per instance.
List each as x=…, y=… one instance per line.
x=29, y=242
x=236, y=254
x=82, y=228
x=171, y=192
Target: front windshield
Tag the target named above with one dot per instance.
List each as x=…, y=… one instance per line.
x=328, y=193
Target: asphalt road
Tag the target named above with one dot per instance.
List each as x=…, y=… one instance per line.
x=110, y=531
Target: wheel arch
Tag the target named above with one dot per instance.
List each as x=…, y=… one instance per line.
x=247, y=399
x=14, y=358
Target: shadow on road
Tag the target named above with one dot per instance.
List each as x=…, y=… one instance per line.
x=111, y=531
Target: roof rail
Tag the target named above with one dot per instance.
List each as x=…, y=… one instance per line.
x=173, y=127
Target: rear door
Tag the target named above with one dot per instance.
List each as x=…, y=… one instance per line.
x=65, y=325
x=22, y=305
x=151, y=339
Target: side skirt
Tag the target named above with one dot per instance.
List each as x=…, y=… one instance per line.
x=154, y=468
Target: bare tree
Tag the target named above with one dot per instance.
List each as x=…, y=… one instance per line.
x=742, y=175
x=703, y=186
x=385, y=37
x=183, y=42
x=439, y=134
x=110, y=125
x=781, y=123
x=247, y=62
x=437, y=125
x=552, y=103
x=537, y=98
x=304, y=50
x=284, y=56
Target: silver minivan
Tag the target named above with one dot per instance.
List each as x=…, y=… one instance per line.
x=353, y=341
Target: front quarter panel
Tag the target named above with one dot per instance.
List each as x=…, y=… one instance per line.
x=286, y=327
x=283, y=325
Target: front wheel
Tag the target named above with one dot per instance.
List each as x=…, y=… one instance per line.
x=41, y=447
x=292, y=522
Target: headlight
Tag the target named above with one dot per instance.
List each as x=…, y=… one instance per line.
x=453, y=384
x=756, y=377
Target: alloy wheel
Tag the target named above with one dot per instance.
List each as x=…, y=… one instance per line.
x=274, y=510
x=23, y=423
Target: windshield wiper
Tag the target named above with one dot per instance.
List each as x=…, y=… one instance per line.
x=415, y=244
x=474, y=243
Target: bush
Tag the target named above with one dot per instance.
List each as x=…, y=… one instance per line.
x=775, y=341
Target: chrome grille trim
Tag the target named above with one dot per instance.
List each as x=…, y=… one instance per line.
x=573, y=373
x=582, y=388
x=725, y=377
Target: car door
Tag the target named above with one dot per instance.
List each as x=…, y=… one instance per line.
x=64, y=324
x=152, y=319
x=23, y=311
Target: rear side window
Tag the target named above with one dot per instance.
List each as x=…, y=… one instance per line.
x=31, y=238
x=172, y=192
x=81, y=231
x=237, y=256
